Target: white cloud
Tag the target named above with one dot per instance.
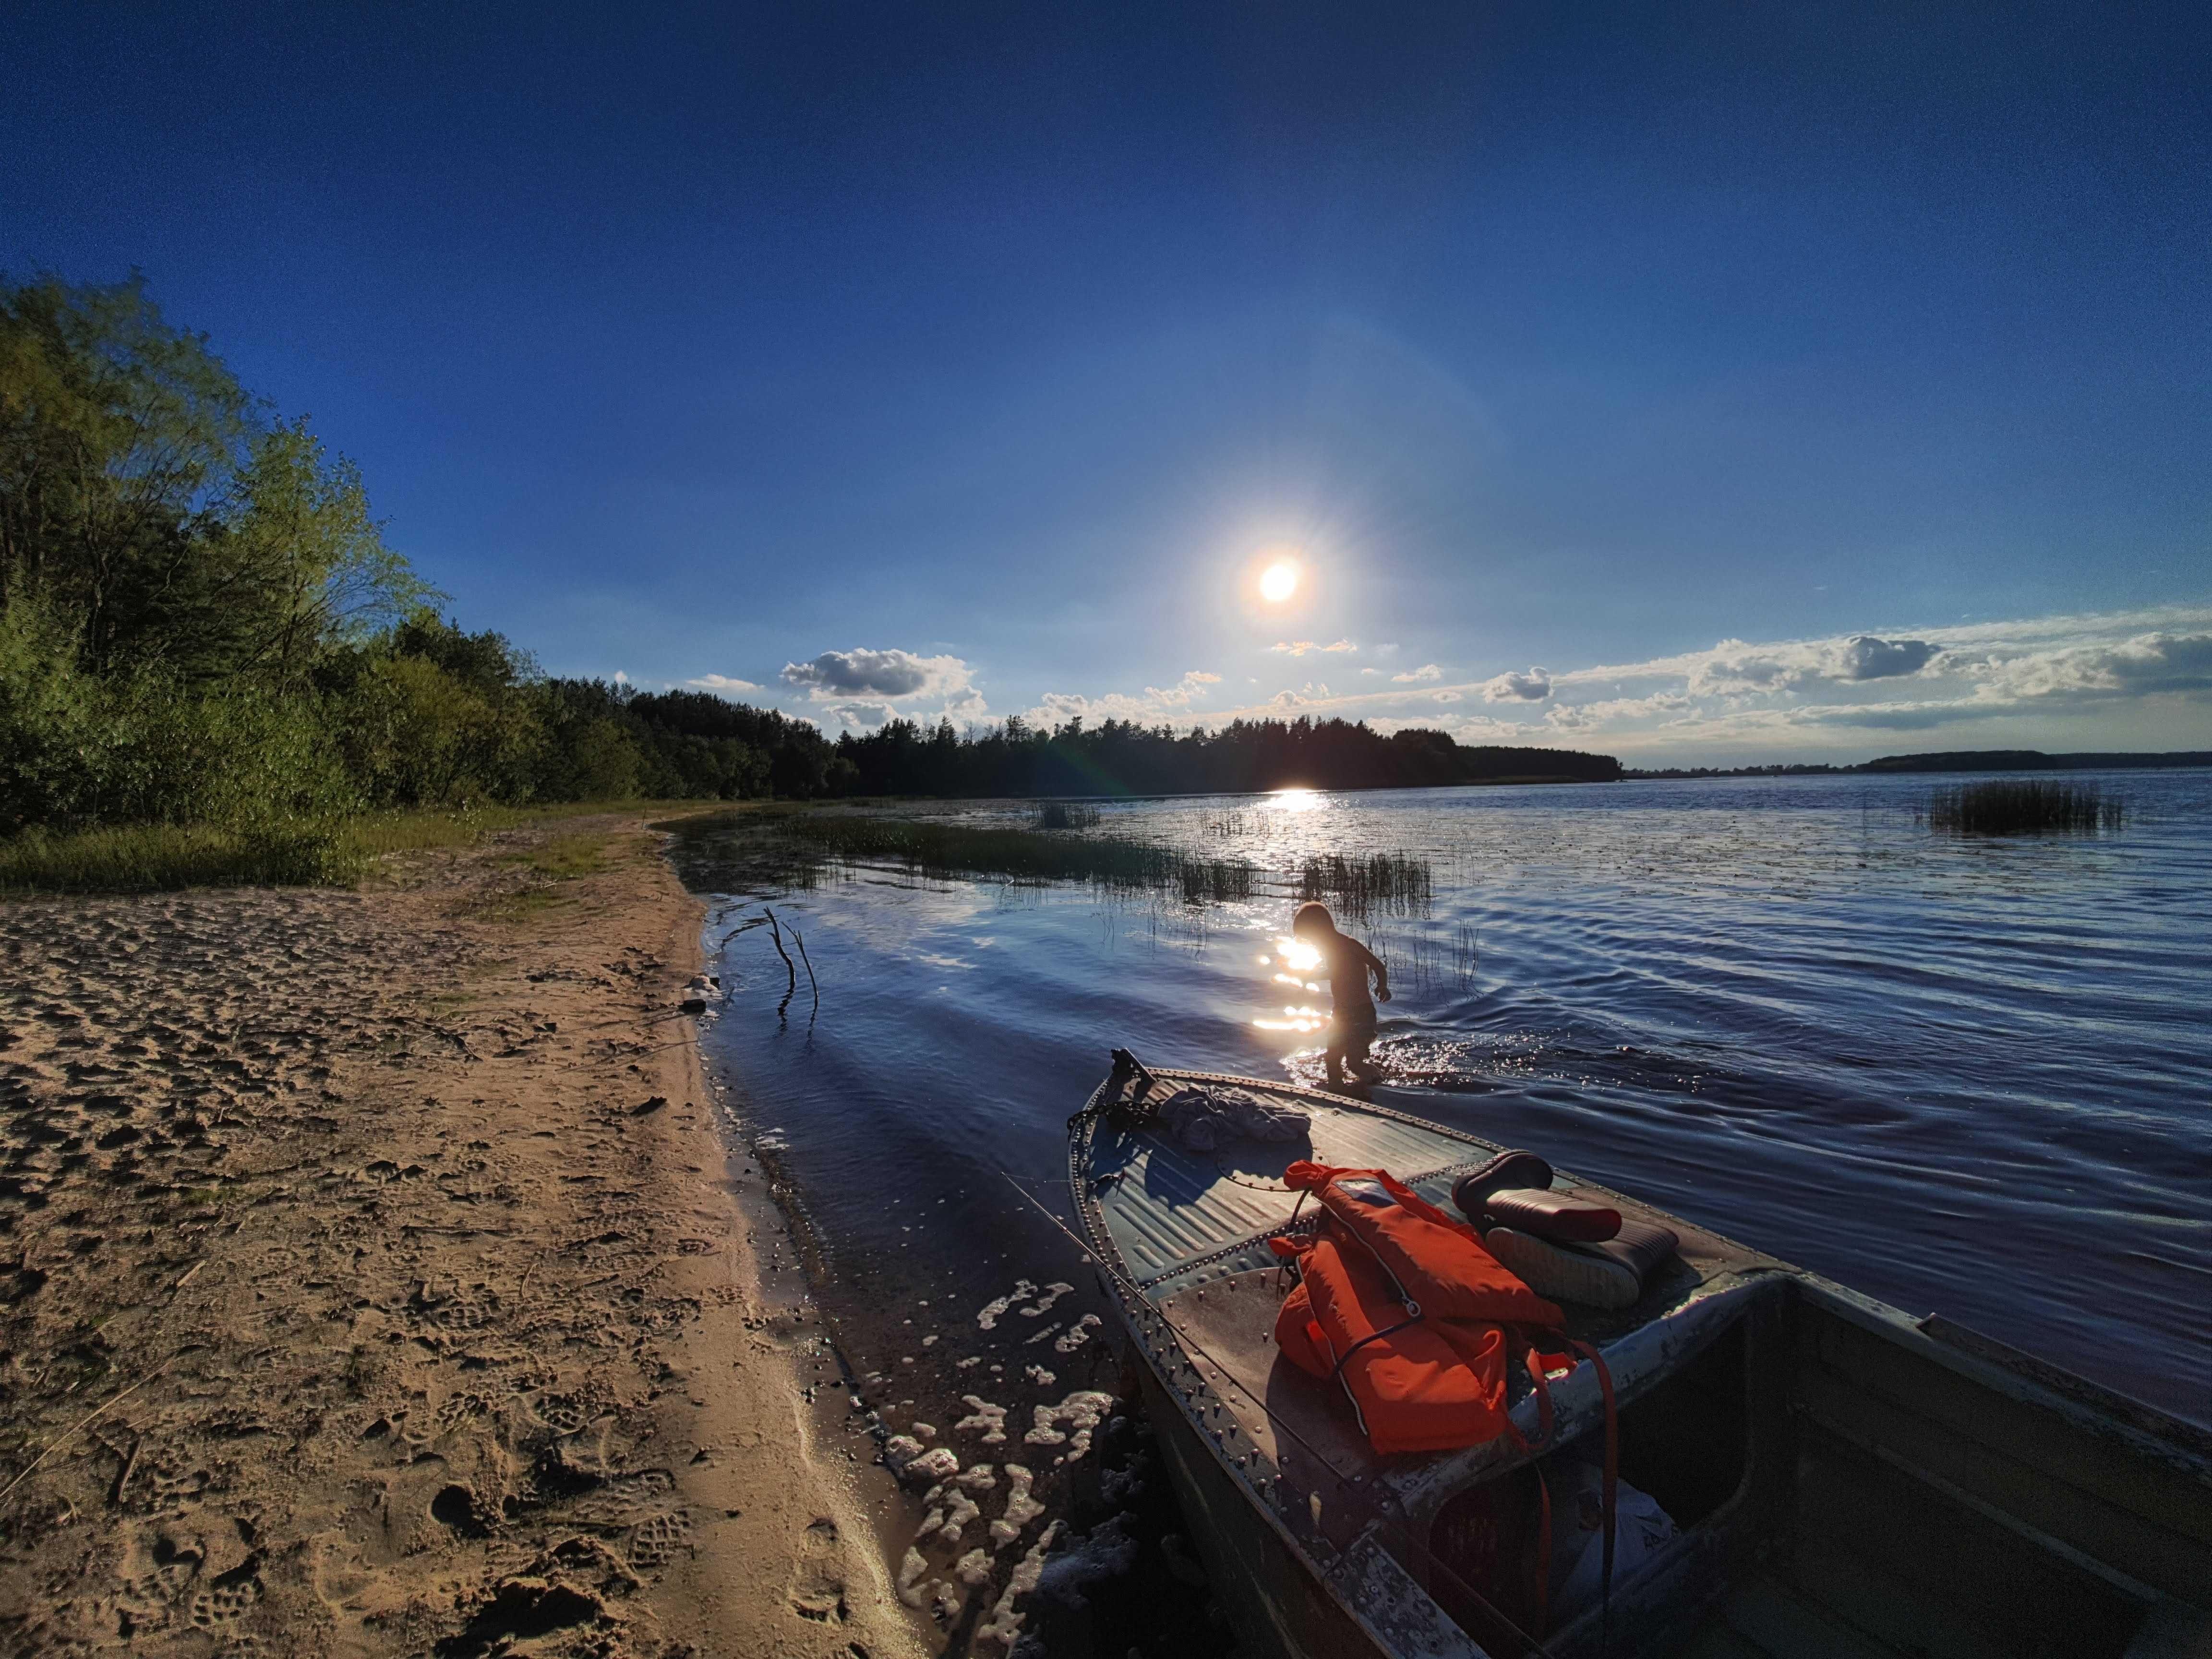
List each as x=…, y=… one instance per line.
x=2148, y=671
x=1171, y=704
x=1732, y=667
x=1614, y=711
x=2145, y=665
x=1864, y=657
x=1299, y=648
x=621, y=678
x=1735, y=668
x=893, y=675
x=2140, y=679
x=721, y=684
x=1533, y=686
x=1469, y=728
x=1184, y=692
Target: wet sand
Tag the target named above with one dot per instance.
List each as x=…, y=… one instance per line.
x=372, y=1281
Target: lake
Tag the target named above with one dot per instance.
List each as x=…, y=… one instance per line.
x=1966, y=1076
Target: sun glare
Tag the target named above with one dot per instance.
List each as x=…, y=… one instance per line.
x=1279, y=581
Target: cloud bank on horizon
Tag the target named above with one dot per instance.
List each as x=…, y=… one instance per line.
x=2123, y=680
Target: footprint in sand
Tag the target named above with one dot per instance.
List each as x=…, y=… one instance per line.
x=221, y=1606
x=564, y=1414
x=655, y=1541
x=466, y=1310
x=154, y=1574
x=818, y=1579
x=458, y=1409
x=174, y=1482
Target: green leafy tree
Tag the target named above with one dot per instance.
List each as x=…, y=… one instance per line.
x=116, y=431
x=145, y=495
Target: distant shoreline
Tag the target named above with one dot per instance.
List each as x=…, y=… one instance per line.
x=1971, y=760
x=1964, y=760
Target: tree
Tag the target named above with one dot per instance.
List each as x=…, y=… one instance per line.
x=115, y=429
x=146, y=497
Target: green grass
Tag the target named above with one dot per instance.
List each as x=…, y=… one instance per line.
x=564, y=858
x=164, y=857
x=432, y=828
x=2025, y=806
x=157, y=857
x=951, y=849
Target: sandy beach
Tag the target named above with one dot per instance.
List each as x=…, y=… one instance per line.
x=375, y=1282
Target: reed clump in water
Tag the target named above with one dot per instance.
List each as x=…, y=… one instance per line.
x=955, y=849
x=1382, y=881
x=1065, y=815
x=2025, y=806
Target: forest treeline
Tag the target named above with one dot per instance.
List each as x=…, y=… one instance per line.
x=1122, y=757
x=201, y=623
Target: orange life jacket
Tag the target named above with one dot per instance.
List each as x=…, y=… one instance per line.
x=1404, y=1307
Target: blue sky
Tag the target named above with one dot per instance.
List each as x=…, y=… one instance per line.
x=1693, y=383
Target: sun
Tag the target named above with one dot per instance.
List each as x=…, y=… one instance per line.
x=1279, y=581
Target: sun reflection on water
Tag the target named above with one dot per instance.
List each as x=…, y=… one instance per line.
x=1301, y=958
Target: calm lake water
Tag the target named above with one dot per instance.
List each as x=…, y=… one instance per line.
x=1967, y=1076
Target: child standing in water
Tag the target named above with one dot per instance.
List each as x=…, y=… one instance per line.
x=1347, y=963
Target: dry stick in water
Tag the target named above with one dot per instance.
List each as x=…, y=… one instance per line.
x=792, y=989
x=742, y=926
x=800, y=939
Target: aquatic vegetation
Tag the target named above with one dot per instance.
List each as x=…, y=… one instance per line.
x=1394, y=882
x=1065, y=815
x=935, y=848
x=2025, y=806
x=1418, y=959
x=801, y=849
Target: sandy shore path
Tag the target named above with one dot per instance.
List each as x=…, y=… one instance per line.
x=372, y=1281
